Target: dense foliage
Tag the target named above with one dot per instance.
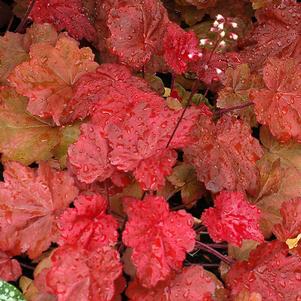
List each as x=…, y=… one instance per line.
x=150, y=150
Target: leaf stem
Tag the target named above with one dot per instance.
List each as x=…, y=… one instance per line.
x=27, y=266
x=143, y=72
x=214, y=252
x=193, y=91
x=239, y=107
x=173, y=79
x=22, y=24
x=210, y=265
x=218, y=246
x=10, y=23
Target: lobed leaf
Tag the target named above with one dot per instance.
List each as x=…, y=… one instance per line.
x=277, y=34
x=69, y=15
x=270, y=272
x=232, y=219
x=192, y=283
x=159, y=238
x=180, y=48
x=30, y=203
x=78, y=274
x=87, y=225
x=279, y=104
x=10, y=269
x=23, y=137
x=136, y=30
x=12, y=53
x=225, y=155
x=48, y=77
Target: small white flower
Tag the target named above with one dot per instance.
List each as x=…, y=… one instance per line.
x=215, y=24
x=222, y=43
x=219, y=17
x=220, y=26
x=218, y=71
x=233, y=36
x=203, y=41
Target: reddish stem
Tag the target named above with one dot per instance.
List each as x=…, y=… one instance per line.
x=182, y=206
x=10, y=23
x=214, y=48
x=218, y=246
x=143, y=72
x=193, y=91
x=214, y=252
x=26, y=266
x=22, y=24
x=227, y=110
x=173, y=79
x=210, y=265
x=143, y=195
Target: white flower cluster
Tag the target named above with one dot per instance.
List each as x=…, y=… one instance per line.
x=222, y=26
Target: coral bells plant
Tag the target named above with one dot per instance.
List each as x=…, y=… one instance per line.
x=150, y=150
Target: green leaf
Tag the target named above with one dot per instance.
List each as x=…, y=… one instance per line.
x=23, y=138
x=9, y=293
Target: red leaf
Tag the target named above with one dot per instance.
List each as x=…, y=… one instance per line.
x=30, y=203
x=270, y=271
x=110, y=87
x=180, y=48
x=232, y=219
x=276, y=35
x=139, y=141
x=159, y=238
x=279, y=105
x=88, y=157
x=10, y=269
x=47, y=79
x=225, y=155
x=69, y=15
x=193, y=284
x=81, y=275
x=137, y=28
x=152, y=171
x=87, y=224
x=132, y=120
x=291, y=220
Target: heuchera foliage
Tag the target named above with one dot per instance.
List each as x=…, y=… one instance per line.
x=159, y=242
x=150, y=150
x=232, y=219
